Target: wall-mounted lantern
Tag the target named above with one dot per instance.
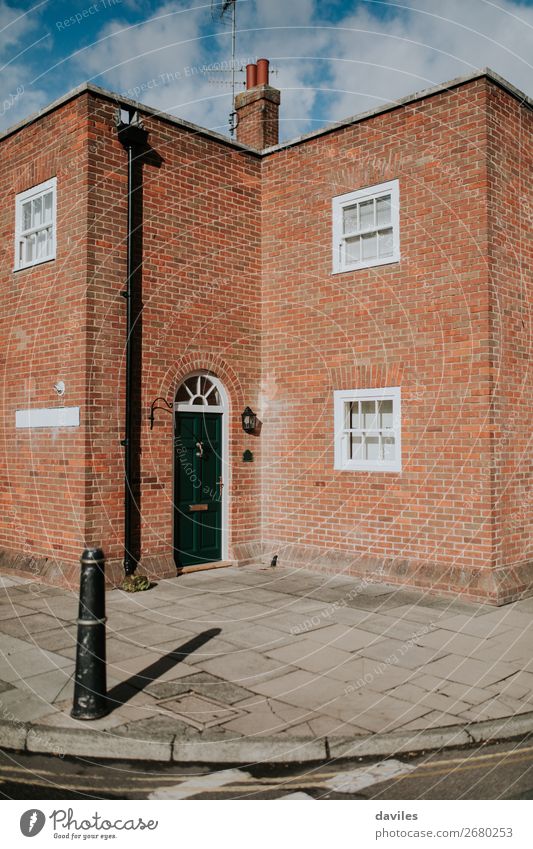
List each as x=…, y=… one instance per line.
x=249, y=420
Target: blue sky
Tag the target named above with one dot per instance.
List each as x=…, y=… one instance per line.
x=333, y=59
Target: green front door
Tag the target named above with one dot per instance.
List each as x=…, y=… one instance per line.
x=198, y=488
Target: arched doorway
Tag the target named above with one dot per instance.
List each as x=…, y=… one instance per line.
x=201, y=473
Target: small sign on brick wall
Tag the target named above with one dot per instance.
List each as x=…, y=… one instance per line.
x=48, y=417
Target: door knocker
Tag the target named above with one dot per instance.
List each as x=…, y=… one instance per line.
x=200, y=449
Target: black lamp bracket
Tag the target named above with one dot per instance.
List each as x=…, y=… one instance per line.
x=153, y=407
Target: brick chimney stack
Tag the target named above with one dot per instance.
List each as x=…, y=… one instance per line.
x=257, y=108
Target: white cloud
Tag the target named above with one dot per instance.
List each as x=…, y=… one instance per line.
x=377, y=52
x=159, y=62
x=383, y=60
x=18, y=31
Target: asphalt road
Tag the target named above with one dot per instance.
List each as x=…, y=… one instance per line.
x=500, y=771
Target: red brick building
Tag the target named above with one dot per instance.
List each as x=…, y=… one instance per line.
x=365, y=290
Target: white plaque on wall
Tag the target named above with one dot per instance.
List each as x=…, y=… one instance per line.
x=48, y=417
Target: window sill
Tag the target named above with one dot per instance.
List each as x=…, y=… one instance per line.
x=371, y=264
x=33, y=264
x=370, y=467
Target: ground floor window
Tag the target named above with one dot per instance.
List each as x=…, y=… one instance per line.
x=368, y=429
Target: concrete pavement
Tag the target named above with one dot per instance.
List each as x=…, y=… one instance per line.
x=257, y=664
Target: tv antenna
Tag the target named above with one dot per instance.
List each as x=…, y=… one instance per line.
x=222, y=9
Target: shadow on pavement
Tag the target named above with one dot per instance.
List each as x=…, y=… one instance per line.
x=125, y=691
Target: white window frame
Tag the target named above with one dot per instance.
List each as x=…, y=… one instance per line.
x=340, y=202
x=342, y=461
x=31, y=194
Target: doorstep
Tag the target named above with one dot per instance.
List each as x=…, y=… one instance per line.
x=202, y=567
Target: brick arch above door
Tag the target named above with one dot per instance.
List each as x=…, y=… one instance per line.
x=218, y=367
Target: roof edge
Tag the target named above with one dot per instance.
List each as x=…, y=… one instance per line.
x=486, y=73
x=90, y=88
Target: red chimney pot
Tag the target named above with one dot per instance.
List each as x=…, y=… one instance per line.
x=251, y=76
x=257, y=108
x=262, y=71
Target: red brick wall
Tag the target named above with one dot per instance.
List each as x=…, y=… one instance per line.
x=258, y=116
x=511, y=262
x=42, y=324
x=201, y=296
x=237, y=280
x=62, y=490
x=421, y=324
x=42, y=474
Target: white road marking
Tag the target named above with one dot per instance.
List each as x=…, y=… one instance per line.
x=200, y=784
x=293, y=796
x=357, y=779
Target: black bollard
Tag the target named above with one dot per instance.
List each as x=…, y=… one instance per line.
x=90, y=687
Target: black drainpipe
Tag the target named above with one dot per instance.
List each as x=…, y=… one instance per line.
x=133, y=137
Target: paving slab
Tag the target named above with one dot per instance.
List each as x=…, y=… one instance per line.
x=10, y=581
x=387, y=626
x=344, y=637
x=177, y=614
x=433, y=719
x=62, y=609
x=32, y=661
x=518, y=686
x=462, y=692
x=47, y=685
x=57, y=639
x=422, y=613
x=17, y=705
x=300, y=647
x=469, y=671
x=201, y=682
x=12, y=611
x=149, y=635
x=380, y=677
x=403, y=653
x=267, y=718
x=260, y=595
x=25, y=627
x=245, y=667
x=413, y=694
x=259, y=664
x=464, y=645
x=486, y=626
x=511, y=647
x=208, y=601
x=259, y=638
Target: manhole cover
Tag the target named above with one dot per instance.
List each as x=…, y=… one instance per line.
x=199, y=711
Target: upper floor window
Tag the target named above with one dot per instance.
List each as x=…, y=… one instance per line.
x=368, y=429
x=366, y=227
x=35, y=225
